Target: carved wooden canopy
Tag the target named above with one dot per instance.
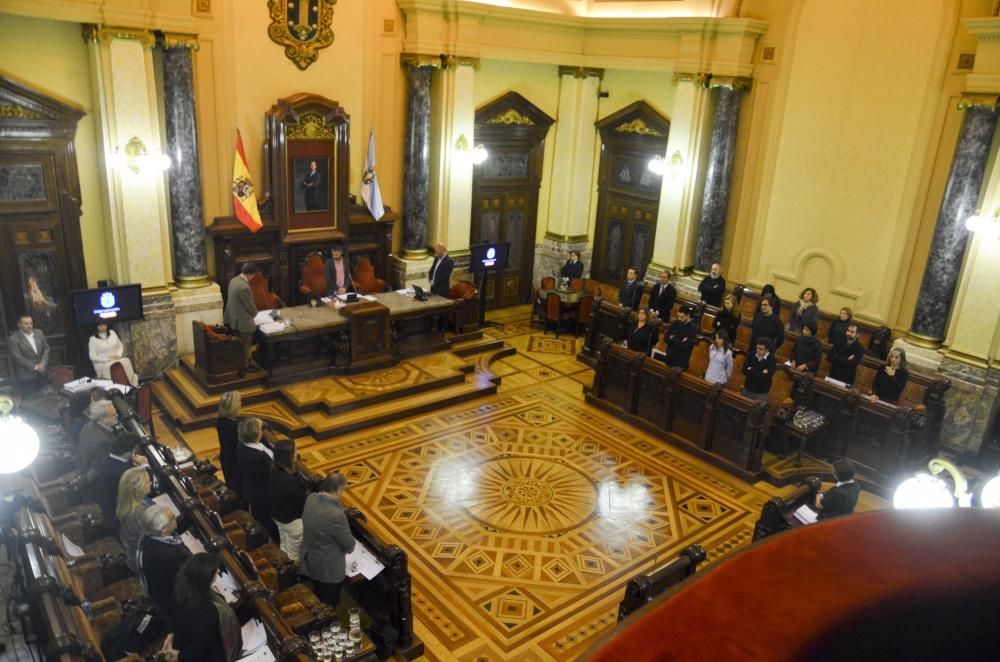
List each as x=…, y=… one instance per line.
x=638, y=122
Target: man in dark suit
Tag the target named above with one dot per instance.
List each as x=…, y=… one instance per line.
x=573, y=267
x=845, y=355
x=713, y=287
x=240, y=310
x=662, y=297
x=440, y=273
x=311, y=184
x=30, y=352
x=758, y=368
x=326, y=539
x=109, y=474
x=680, y=339
x=630, y=294
x=338, y=273
x=95, y=440
x=842, y=497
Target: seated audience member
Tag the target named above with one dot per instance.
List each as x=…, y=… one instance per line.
x=206, y=629
x=326, y=539
x=573, y=267
x=105, y=349
x=838, y=330
x=807, y=353
x=226, y=427
x=338, y=273
x=767, y=324
x=30, y=353
x=95, y=439
x=891, y=378
x=109, y=475
x=133, y=501
x=713, y=286
x=842, y=497
x=720, y=359
x=255, y=469
x=806, y=311
x=680, y=338
x=845, y=356
x=288, y=497
x=728, y=317
x=643, y=335
x=662, y=297
x=630, y=294
x=161, y=554
x=767, y=292
x=759, y=371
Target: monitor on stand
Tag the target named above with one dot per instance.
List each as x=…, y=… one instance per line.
x=485, y=259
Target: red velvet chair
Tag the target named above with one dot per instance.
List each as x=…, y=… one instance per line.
x=118, y=374
x=583, y=313
x=263, y=297
x=464, y=317
x=364, y=278
x=538, y=311
x=313, y=283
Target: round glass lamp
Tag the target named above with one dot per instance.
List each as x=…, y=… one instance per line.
x=923, y=491
x=990, y=497
x=18, y=440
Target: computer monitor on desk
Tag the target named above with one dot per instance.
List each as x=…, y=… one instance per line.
x=485, y=259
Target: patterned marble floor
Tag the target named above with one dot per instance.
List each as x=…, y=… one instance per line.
x=525, y=513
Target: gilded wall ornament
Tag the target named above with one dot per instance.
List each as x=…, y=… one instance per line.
x=311, y=127
x=639, y=126
x=18, y=113
x=302, y=27
x=511, y=116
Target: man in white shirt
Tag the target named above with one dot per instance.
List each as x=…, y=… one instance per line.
x=30, y=352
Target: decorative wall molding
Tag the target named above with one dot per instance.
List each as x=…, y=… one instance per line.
x=105, y=34
x=177, y=40
x=581, y=72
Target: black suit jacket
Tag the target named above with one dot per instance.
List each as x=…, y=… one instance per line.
x=331, y=277
x=661, y=299
x=440, y=276
x=109, y=473
x=644, y=339
x=840, y=500
x=630, y=295
x=680, y=342
x=572, y=270
x=255, y=471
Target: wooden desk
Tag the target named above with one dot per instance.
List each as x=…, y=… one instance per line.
x=332, y=338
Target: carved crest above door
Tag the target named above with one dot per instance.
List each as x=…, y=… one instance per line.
x=302, y=27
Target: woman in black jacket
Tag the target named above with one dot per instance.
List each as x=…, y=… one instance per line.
x=838, y=330
x=643, y=336
x=727, y=318
x=807, y=353
x=891, y=379
x=288, y=497
x=225, y=425
x=205, y=627
x=255, y=468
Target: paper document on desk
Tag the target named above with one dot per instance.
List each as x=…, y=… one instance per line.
x=262, y=317
x=71, y=547
x=408, y=291
x=271, y=327
x=165, y=501
x=254, y=637
x=367, y=564
x=837, y=382
x=192, y=543
x=80, y=385
x=326, y=299
x=805, y=514
x=226, y=586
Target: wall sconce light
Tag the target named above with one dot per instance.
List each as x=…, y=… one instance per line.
x=137, y=158
x=478, y=154
x=18, y=440
x=928, y=491
x=676, y=167
x=657, y=165
x=986, y=226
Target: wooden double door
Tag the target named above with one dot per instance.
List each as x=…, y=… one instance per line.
x=628, y=191
x=505, y=191
x=39, y=220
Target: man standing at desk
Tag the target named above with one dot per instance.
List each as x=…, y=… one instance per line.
x=440, y=274
x=30, y=352
x=241, y=310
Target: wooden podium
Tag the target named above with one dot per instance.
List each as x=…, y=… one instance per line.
x=371, y=336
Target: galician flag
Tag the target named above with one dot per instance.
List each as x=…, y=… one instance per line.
x=244, y=197
x=369, y=184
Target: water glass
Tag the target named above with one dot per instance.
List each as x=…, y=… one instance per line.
x=314, y=638
x=338, y=651
x=355, y=615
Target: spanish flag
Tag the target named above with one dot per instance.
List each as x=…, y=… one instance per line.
x=244, y=197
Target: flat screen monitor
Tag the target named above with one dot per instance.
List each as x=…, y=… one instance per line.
x=488, y=257
x=119, y=303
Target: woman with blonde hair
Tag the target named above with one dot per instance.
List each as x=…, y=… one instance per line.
x=728, y=318
x=133, y=489
x=226, y=425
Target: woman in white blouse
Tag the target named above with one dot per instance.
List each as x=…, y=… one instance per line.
x=720, y=359
x=105, y=349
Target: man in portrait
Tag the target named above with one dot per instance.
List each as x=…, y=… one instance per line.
x=312, y=186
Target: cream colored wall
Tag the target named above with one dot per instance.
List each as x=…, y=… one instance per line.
x=539, y=84
x=51, y=57
x=840, y=205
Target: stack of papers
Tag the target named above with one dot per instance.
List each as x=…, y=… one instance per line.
x=837, y=382
x=407, y=291
x=362, y=562
x=262, y=317
x=271, y=327
x=192, y=543
x=805, y=514
x=165, y=500
x=255, y=642
x=226, y=586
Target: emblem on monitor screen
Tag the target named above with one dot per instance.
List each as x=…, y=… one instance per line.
x=491, y=253
x=107, y=299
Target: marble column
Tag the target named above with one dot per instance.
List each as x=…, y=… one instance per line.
x=715, y=200
x=944, y=263
x=417, y=165
x=186, y=218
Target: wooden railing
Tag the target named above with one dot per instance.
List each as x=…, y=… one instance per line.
x=643, y=588
x=773, y=512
